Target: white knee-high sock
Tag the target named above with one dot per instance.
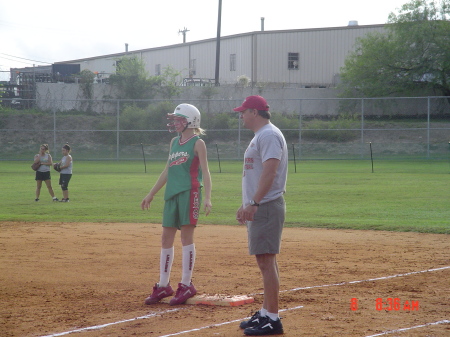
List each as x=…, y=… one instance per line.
x=165, y=266
x=188, y=262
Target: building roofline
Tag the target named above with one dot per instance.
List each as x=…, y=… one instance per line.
x=121, y=54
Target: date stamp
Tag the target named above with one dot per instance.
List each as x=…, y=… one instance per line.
x=388, y=304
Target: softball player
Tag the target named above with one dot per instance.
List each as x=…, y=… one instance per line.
x=185, y=172
x=43, y=172
x=65, y=173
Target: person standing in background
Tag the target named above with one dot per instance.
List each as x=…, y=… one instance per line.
x=43, y=172
x=65, y=173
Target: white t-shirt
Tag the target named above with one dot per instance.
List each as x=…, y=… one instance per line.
x=267, y=143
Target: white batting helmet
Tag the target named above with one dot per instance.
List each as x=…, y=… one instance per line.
x=187, y=111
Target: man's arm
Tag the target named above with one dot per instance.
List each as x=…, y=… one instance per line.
x=268, y=175
x=269, y=172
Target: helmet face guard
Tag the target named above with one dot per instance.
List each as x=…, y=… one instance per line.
x=189, y=112
x=175, y=122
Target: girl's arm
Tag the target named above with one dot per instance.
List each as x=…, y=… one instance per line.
x=68, y=161
x=162, y=180
x=200, y=151
x=50, y=161
x=145, y=204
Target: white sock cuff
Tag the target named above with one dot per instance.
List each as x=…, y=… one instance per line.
x=167, y=250
x=189, y=247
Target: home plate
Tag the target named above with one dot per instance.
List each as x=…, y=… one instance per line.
x=223, y=300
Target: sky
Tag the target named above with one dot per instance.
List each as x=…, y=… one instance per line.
x=47, y=31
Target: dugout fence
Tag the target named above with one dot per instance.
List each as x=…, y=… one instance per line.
x=315, y=129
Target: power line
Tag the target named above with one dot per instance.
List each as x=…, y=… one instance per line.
x=22, y=58
x=5, y=58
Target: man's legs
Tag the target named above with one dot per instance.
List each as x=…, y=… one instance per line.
x=268, y=265
x=267, y=321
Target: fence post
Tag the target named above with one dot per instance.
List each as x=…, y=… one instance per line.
x=118, y=128
x=54, y=129
x=300, y=136
x=428, y=127
x=300, y=129
x=362, y=128
x=239, y=134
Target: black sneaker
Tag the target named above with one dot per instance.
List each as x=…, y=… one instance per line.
x=253, y=321
x=36, y=199
x=266, y=327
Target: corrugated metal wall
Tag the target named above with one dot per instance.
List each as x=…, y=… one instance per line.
x=322, y=53
x=262, y=56
x=242, y=48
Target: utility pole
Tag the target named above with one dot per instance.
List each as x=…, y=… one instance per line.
x=184, y=31
x=218, y=44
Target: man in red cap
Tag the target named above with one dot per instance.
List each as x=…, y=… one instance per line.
x=263, y=208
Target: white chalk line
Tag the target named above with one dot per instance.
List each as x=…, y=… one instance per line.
x=96, y=327
x=220, y=324
x=361, y=281
x=282, y=291
x=445, y=321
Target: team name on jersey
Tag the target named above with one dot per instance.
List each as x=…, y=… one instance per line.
x=175, y=155
x=178, y=158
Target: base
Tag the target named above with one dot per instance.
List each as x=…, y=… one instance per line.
x=222, y=300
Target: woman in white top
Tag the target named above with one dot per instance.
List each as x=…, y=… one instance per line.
x=43, y=172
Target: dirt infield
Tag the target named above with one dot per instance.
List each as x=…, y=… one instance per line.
x=91, y=279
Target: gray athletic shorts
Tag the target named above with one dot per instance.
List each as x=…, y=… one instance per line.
x=264, y=232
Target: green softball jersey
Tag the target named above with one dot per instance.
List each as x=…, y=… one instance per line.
x=184, y=171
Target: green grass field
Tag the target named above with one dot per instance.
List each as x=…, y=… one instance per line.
x=397, y=196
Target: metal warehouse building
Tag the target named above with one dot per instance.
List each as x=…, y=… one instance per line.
x=300, y=58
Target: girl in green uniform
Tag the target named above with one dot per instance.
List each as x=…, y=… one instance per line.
x=185, y=174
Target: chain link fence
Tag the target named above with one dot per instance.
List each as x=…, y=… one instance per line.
x=315, y=129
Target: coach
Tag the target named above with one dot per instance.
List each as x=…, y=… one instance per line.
x=263, y=208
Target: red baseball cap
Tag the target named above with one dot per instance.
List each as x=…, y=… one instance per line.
x=253, y=102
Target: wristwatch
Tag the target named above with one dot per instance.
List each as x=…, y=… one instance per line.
x=253, y=203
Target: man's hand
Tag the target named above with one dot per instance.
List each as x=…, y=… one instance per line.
x=240, y=216
x=245, y=214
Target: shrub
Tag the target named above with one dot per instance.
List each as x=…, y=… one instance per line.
x=334, y=130
x=133, y=119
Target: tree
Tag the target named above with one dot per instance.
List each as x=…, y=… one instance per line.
x=412, y=54
x=134, y=82
x=86, y=83
x=132, y=79
x=169, y=82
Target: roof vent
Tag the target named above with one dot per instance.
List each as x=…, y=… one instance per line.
x=353, y=23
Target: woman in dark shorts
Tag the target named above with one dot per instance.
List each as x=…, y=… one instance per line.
x=43, y=172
